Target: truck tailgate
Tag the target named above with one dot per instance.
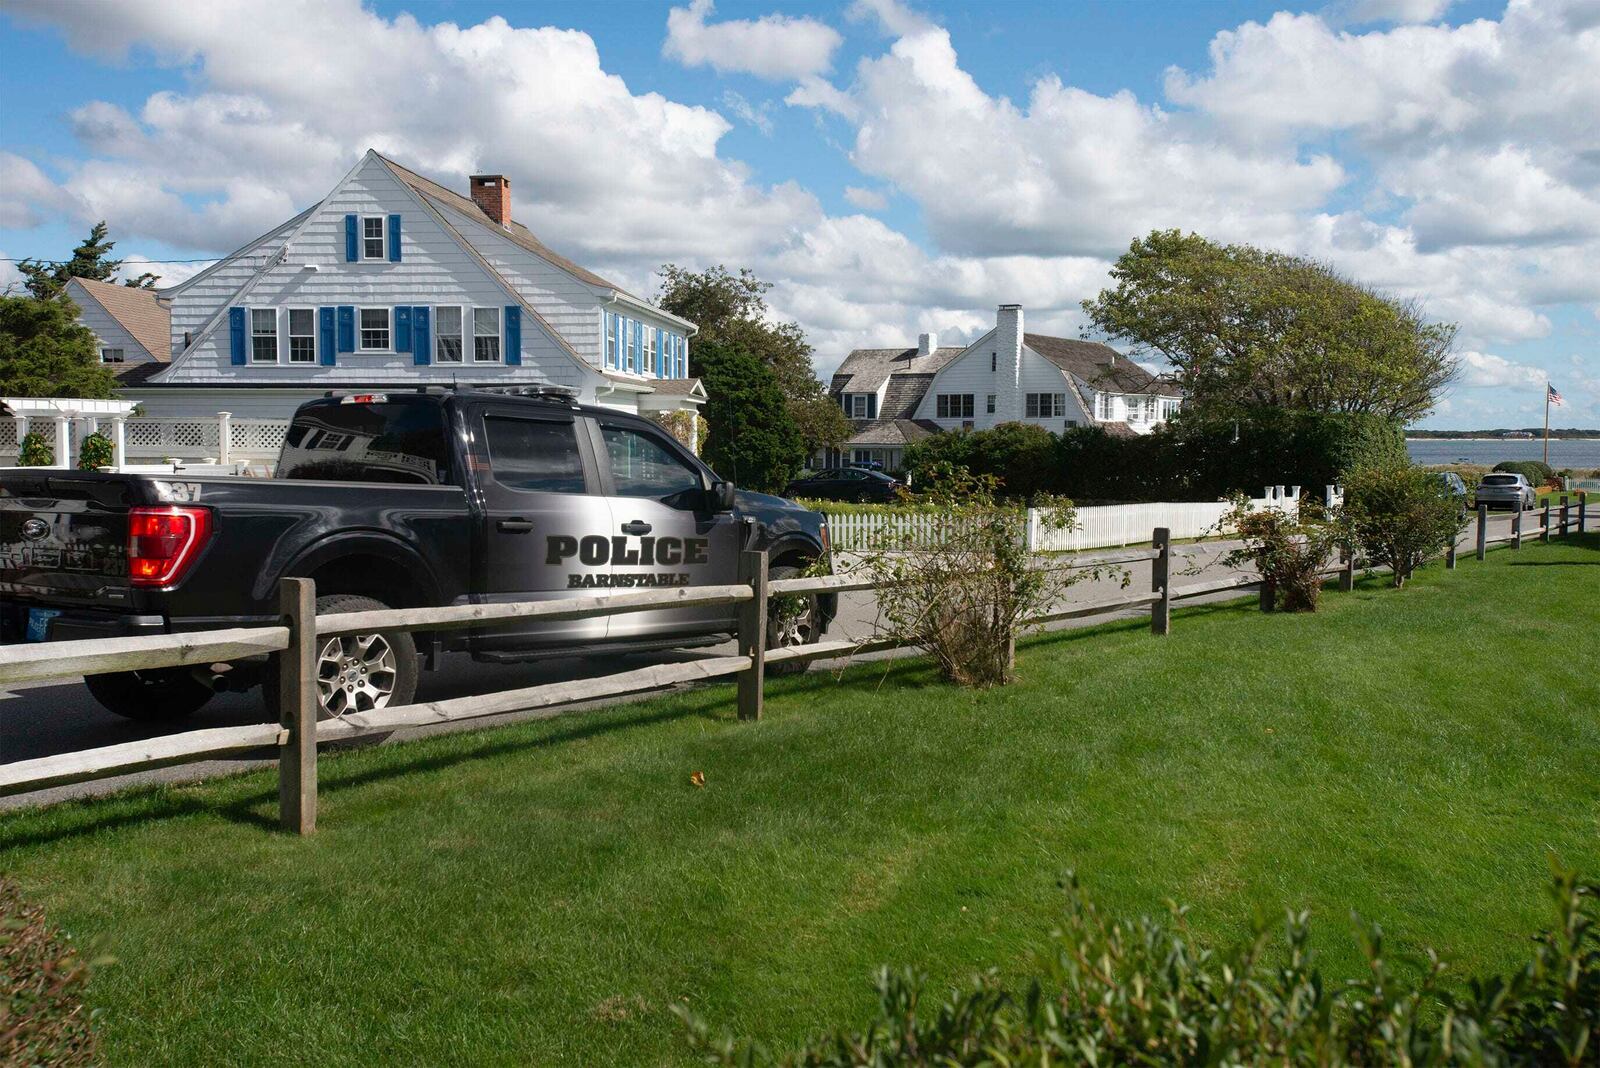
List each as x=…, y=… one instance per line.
x=64, y=539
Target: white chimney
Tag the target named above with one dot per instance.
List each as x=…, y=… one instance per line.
x=926, y=343
x=1008, y=363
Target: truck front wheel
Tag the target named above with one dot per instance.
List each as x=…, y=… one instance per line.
x=163, y=695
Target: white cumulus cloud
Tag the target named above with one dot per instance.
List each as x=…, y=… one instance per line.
x=776, y=47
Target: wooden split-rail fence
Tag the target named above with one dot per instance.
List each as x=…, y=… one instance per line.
x=296, y=639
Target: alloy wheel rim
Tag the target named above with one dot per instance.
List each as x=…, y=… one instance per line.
x=355, y=674
x=793, y=630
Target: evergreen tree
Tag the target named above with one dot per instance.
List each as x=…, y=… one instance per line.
x=45, y=352
x=752, y=441
x=92, y=259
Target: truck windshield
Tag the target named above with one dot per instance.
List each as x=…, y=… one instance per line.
x=386, y=441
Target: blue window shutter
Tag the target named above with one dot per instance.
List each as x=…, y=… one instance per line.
x=327, y=352
x=402, y=329
x=347, y=328
x=421, y=337
x=352, y=248
x=513, y=335
x=236, y=336
x=394, y=239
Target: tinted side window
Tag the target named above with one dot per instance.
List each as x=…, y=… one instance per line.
x=642, y=467
x=369, y=442
x=534, y=455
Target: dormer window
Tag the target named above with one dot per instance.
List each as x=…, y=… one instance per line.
x=372, y=238
x=861, y=405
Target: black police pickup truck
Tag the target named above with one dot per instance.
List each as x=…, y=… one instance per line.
x=436, y=497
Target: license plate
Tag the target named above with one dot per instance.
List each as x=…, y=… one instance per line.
x=39, y=623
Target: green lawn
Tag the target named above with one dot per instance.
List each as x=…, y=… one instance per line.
x=542, y=893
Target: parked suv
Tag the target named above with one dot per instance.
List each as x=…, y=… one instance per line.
x=396, y=500
x=1502, y=489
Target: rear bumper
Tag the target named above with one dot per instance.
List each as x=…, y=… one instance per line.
x=77, y=624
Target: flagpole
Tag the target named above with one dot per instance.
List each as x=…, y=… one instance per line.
x=1547, y=422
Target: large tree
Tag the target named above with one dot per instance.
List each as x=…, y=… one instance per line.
x=751, y=439
x=44, y=352
x=1253, y=328
x=92, y=259
x=731, y=310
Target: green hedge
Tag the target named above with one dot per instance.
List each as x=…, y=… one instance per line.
x=1188, y=459
x=1535, y=471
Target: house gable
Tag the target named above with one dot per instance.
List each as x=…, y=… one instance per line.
x=121, y=317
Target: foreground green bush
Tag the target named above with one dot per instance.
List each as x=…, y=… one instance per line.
x=42, y=1016
x=1118, y=992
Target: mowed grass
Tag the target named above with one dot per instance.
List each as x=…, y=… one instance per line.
x=542, y=893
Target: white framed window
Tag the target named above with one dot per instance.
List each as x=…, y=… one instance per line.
x=263, y=335
x=1141, y=409
x=373, y=240
x=302, y=335
x=631, y=345
x=1045, y=405
x=954, y=405
x=111, y=356
x=856, y=405
x=988, y=404
x=611, y=340
x=447, y=334
x=1102, y=406
x=374, y=332
x=486, y=335
x=1169, y=408
x=652, y=350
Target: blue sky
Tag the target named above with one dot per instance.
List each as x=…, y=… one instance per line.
x=891, y=168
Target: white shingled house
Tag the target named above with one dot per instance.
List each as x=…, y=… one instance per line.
x=394, y=281
x=897, y=396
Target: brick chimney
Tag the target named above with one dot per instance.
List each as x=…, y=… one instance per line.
x=492, y=193
x=1008, y=363
x=926, y=344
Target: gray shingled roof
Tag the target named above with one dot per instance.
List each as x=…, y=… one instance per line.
x=893, y=432
x=1101, y=366
x=136, y=310
x=864, y=370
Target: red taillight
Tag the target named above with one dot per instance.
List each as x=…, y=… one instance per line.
x=163, y=542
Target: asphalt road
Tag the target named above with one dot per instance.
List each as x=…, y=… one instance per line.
x=58, y=716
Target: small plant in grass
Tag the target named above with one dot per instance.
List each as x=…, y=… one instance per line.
x=43, y=1019
x=95, y=452
x=965, y=587
x=1290, y=551
x=1399, y=515
x=33, y=451
x=1145, y=992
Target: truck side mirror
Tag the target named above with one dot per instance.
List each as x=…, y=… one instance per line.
x=721, y=496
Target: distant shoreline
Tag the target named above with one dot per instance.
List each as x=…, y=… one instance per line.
x=1497, y=438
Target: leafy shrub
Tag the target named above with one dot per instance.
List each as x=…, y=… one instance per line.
x=1399, y=515
x=1145, y=992
x=34, y=452
x=1537, y=472
x=1289, y=551
x=42, y=1016
x=96, y=452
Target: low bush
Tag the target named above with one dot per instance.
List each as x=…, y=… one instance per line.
x=1145, y=992
x=1536, y=472
x=43, y=1019
x=95, y=452
x=1289, y=551
x=33, y=452
x=1399, y=515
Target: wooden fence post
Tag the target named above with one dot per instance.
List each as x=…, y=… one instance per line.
x=1160, y=581
x=753, y=632
x=1583, y=510
x=1269, y=594
x=297, y=707
x=1516, y=528
x=1563, y=515
x=1544, y=523
x=1347, y=573
x=1450, y=555
x=1483, y=530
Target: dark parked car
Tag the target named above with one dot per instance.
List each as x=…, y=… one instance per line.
x=1454, y=486
x=1502, y=489
x=845, y=484
x=401, y=500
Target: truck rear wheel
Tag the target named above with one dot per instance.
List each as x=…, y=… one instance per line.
x=793, y=619
x=164, y=695
x=359, y=672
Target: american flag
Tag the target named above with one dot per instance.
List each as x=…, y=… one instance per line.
x=1555, y=398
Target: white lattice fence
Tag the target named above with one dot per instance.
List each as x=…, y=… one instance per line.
x=11, y=437
x=249, y=440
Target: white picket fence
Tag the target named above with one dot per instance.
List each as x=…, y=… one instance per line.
x=1096, y=527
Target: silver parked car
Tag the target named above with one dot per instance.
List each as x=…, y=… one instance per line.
x=1502, y=489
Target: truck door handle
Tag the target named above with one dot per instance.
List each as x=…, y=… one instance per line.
x=637, y=527
x=515, y=526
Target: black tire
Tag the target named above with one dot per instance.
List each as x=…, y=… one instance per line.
x=366, y=689
x=165, y=695
x=785, y=630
